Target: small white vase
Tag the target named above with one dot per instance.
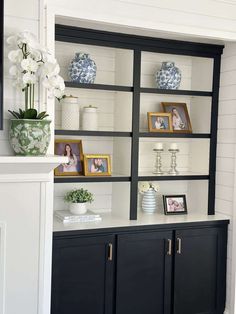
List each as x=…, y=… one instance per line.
x=70, y=113
x=78, y=208
x=149, y=202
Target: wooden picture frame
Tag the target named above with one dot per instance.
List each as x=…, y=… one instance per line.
x=180, y=121
x=160, y=122
x=75, y=165
x=97, y=168
x=175, y=204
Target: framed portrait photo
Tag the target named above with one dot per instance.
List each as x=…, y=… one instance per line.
x=159, y=122
x=175, y=204
x=97, y=165
x=73, y=150
x=179, y=115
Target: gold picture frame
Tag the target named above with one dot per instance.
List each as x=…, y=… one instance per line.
x=160, y=122
x=98, y=168
x=75, y=165
x=181, y=123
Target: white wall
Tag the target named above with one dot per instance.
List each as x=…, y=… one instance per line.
x=18, y=16
x=211, y=18
x=225, y=184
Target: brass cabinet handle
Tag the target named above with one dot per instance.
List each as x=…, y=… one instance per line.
x=110, y=252
x=179, y=246
x=169, y=251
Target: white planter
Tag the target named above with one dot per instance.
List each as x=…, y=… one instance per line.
x=78, y=208
x=149, y=202
x=70, y=113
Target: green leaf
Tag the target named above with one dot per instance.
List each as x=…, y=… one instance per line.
x=15, y=114
x=41, y=115
x=30, y=114
x=21, y=113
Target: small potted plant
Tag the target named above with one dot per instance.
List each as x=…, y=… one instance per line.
x=32, y=66
x=78, y=200
x=149, y=190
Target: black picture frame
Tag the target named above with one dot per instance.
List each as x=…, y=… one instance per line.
x=1, y=61
x=177, y=212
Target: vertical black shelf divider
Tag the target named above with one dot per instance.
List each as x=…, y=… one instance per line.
x=213, y=141
x=135, y=132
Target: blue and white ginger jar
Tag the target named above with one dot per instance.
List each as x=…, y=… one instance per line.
x=169, y=76
x=82, y=69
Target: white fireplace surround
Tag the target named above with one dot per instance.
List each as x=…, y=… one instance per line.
x=26, y=233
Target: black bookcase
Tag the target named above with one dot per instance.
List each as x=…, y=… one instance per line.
x=139, y=44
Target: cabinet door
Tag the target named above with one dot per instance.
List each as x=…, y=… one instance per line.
x=82, y=275
x=144, y=273
x=200, y=271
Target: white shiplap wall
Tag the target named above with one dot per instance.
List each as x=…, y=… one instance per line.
x=19, y=16
x=225, y=183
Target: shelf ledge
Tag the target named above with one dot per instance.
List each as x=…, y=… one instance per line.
x=25, y=168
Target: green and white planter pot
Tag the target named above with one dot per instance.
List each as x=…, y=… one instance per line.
x=30, y=137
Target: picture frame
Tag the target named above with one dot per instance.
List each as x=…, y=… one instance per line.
x=179, y=114
x=75, y=165
x=160, y=122
x=97, y=165
x=175, y=204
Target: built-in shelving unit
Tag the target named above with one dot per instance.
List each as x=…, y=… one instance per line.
x=124, y=91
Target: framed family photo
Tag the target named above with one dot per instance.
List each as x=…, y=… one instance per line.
x=179, y=115
x=97, y=165
x=175, y=204
x=159, y=122
x=74, y=151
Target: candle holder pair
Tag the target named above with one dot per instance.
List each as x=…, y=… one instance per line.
x=158, y=164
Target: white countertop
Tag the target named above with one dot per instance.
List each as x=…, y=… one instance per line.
x=111, y=221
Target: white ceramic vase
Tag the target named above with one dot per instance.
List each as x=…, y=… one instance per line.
x=149, y=202
x=78, y=208
x=70, y=113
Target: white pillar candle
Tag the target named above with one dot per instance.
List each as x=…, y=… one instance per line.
x=158, y=146
x=173, y=146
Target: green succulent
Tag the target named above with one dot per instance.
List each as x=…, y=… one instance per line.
x=79, y=196
x=29, y=114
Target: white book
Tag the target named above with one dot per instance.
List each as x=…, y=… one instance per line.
x=67, y=216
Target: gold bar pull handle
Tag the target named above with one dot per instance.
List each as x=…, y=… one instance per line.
x=169, y=251
x=179, y=246
x=110, y=252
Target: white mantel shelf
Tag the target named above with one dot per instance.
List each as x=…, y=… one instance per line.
x=26, y=168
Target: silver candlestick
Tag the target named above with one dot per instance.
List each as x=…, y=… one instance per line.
x=158, y=165
x=173, y=165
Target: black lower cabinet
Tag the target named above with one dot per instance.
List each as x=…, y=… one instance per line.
x=82, y=275
x=144, y=273
x=200, y=271
x=157, y=271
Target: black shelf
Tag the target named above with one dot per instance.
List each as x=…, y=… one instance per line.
x=175, y=135
x=173, y=177
x=139, y=44
x=91, y=179
x=175, y=92
x=114, y=88
x=93, y=133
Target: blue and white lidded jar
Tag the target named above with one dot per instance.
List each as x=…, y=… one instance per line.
x=169, y=76
x=82, y=69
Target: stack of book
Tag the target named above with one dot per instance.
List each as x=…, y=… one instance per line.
x=66, y=216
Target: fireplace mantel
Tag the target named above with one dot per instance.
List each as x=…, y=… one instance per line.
x=26, y=212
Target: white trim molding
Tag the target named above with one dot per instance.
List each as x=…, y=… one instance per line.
x=2, y=266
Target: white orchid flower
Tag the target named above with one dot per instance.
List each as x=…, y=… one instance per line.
x=14, y=70
x=15, y=56
x=29, y=78
x=29, y=65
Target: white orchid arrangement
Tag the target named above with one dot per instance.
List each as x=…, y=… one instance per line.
x=31, y=63
x=147, y=186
